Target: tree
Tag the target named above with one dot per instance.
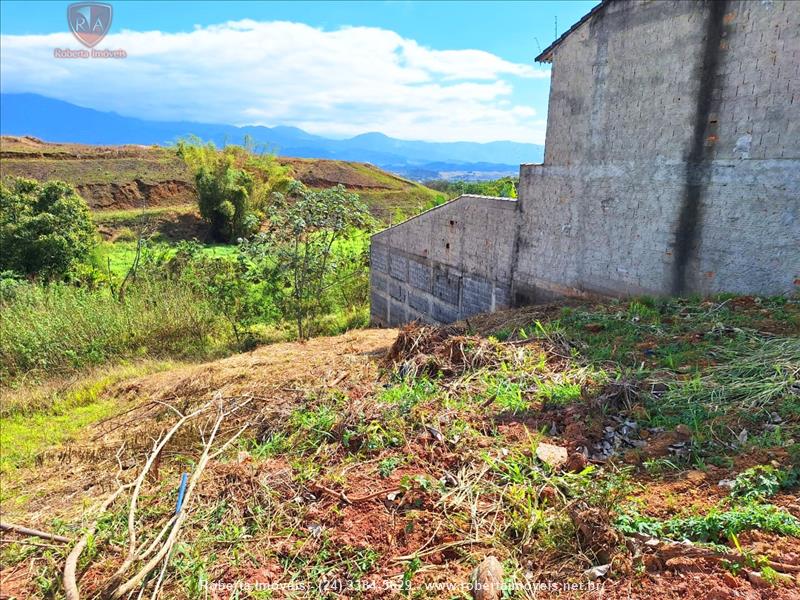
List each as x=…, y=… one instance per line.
x=45, y=228
x=298, y=253
x=233, y=185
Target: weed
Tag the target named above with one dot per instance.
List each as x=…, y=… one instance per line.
x=716, y=526
x=759, y=482
x=388, y=465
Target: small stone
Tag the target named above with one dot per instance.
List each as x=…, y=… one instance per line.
x=596, y=572
x=730, y=579
x=548, y=493
x=696, y=476
x=757, y=579
x=435, y=433
x=726, y=483
x=243, y=456
x=576, y=462
x=487, y=580
x=683, y=431
x=555, y=456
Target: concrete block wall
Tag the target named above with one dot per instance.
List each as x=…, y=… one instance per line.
x=448, y=263
x=672, y=166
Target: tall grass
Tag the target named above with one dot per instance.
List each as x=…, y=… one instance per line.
x=48, y=330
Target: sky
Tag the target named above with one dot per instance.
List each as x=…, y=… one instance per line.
x=434, y=71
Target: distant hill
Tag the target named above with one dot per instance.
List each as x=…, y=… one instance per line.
x=58, y=121
x=130, y=177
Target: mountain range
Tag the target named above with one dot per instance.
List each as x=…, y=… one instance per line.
x=58, y=121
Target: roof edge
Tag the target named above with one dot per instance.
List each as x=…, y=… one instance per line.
x=546, y=55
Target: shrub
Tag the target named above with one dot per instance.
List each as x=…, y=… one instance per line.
x=759, y=482
x=233, y=186
x=311, y=253
x=45, y=228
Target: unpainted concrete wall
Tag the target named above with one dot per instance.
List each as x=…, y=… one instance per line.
x=672, y=159
x=672, y=166
x=447, y=263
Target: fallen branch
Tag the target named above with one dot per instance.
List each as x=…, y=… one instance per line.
x=135, y=581
x=34, y=533
x=132, y=555
x=27, y=543
x=347, y=499
x=71, y=564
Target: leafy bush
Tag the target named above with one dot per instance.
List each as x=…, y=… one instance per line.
x=45, y=228
x=716, y=526
x=761, y=481
x=233, y=186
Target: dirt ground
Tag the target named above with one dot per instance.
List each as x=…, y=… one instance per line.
x=391, y=524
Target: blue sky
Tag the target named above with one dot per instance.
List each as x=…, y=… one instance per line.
x=439, y=71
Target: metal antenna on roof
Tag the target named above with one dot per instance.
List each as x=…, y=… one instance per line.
x=538, y=45
x=556, y=27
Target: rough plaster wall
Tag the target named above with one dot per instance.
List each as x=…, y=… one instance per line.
x=672, y=165
x=447, y=263
x=651, y=183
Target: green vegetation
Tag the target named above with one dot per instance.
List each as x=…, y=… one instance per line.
x=234, y=186
x=50, y=330
x=762, y=481
x=505, y=187
x=37, y=420
x=437, y=462
x=45, y=229
x=718, y=525
x=304, y=253
x=138, y=298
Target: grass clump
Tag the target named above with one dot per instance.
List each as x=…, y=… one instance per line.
x=57, y=328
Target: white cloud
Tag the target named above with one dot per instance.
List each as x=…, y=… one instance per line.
x=342, y=82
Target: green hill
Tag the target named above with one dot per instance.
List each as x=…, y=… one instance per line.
x=131, y=177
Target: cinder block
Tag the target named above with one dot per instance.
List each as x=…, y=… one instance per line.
x=446, y=286
x=397, y=314
x=378, y=258
x=378, y=307
x=445, y=313
x=419, y=302
x=502, y=297
x=397, y=290
x=419, y=275
x=398, y=267
x=377, y=282
x=476, y=296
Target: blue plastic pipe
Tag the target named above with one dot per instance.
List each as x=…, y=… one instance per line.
x=181, y=492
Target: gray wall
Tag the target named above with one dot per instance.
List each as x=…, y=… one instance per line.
x=672, y=166
x=447, y=263
x=672, y=159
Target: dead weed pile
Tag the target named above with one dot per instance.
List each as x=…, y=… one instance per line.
x=447, y=351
